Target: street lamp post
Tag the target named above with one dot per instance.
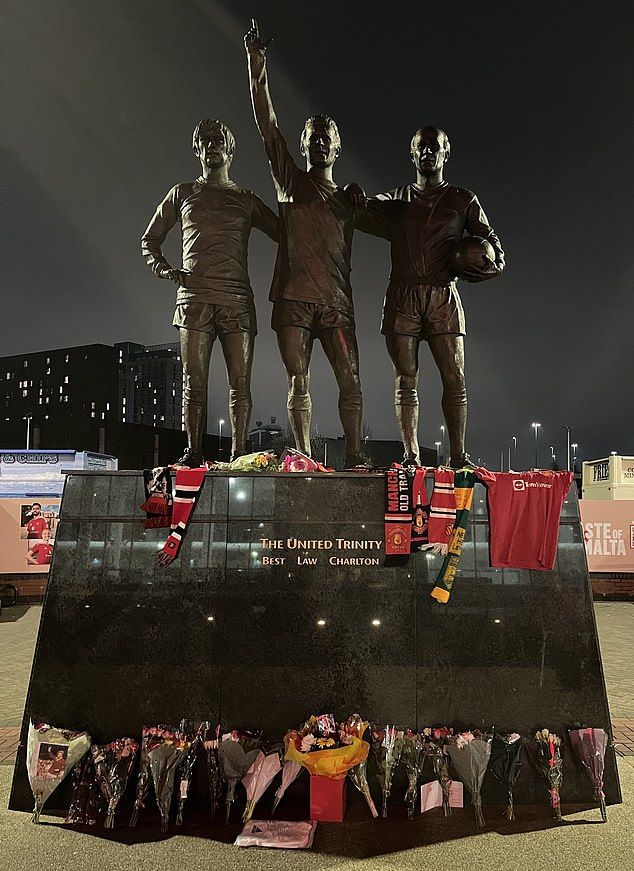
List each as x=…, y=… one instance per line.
x=437, y=450
x=514, y=451
x=574, y=447
x=444, y=449
x=220, y=425
x=28, y=432
x=567, y=428
x=536, y=427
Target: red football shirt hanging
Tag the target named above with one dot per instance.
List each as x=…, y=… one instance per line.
x=524, y=510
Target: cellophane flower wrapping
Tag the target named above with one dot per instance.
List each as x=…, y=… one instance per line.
x=186, y=770
x=210, y=745
x=358, y=774
x=435, y=738
x=261, y=461
x=151, y=737
x=387, y=746
x=589, y=745
x=324, y=749
x=545, y=753
x=505, y=765
x=275, y=833
x=413, y=758
x=164, y=761
x=259, y=776
x=237, y=750
x=51, y=754
x=86, y=798
x=113, y=766
x=470, y=753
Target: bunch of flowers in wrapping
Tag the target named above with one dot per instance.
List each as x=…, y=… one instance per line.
x=324, y=748
x=51, y=754
x=589, y=746
x=210, y=744
x=187, y=766
x=162, y=763
x=413, y=758
x=237, y=751
x=354, y=725
x=387, y=746
x=290, y=772
x=86, y=797
x=505, y=765
x=260, y=774
x=545, y=753
x=435, y=739
x=470, y=753
x=113, y=765
x=293, y=460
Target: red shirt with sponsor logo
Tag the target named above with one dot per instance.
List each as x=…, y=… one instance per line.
x=524, y=511
x=42, y=552
x=36, y=526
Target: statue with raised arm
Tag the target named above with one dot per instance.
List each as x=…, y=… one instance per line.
x=214, y=296
x=311, y=291
x=425, y=222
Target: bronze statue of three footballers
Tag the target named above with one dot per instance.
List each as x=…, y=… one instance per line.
x=311, y=291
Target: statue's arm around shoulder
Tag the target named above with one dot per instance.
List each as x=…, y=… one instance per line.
x=265, y=219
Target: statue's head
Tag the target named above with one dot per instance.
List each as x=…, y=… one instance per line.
x=213, y=143
x=320, y=142
x=429, y=150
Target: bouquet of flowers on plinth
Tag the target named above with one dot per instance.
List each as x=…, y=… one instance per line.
x=435, y=738
x=152, y=737
x=545, y=753
x=51, y=754
x=290, y=772
x=237, y=750
x=589, y=745
x=113, y=765
x=324, y=748
x=259, y=776
x=387, y=746
x=470, y=752
x=358, y=774
x=505, y=765
x=413, y=758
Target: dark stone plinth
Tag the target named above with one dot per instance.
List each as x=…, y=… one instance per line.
x=220, y=635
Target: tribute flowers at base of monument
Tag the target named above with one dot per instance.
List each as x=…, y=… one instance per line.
x=413, y=758
x=186, y=769
x=324, y=748
x=51, y=754
x=589, y=746
x=237, y=750
x=435, y=738
x=113, y=765
x=358, y=774
x=259, y=776
x=290, y=772
x=545, y=753
x=505, y=765
x=210, y=745
x=387, y=746
x=469, y=753
x=86, y=798
x=151, y=737
x=163, y=760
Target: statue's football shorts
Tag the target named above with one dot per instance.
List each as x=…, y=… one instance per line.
x=423, y=311
x=310, y=316
x=217, y=319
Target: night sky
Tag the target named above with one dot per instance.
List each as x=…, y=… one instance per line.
x=100, y=99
